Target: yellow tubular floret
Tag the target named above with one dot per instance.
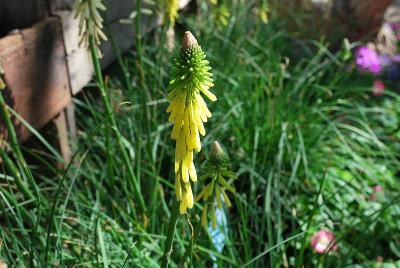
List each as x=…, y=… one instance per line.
x=189, y=196
x=208, y=93
x=192, y=172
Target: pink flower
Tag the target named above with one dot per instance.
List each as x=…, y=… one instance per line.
x=323, y=241
x=378, y=87
x=376, y=190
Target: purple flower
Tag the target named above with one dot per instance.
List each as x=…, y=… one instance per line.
x=395, y=25
x=396, y=58
x=367, y=60
x=385, y=60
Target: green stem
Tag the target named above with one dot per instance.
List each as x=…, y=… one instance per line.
x=21, y=164
x=138, y=31
x=145, y=96
x=189, y=250
x=170, y=236
x=114, y=126
x=15, y=149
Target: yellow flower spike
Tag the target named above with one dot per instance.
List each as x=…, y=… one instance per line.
x=172, y=7
x=188, y=111
x=90, y=22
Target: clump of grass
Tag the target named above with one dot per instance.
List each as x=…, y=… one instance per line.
x=308, y=141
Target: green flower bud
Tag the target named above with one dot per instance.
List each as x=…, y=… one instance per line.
x=218, y=180
x=218, y=157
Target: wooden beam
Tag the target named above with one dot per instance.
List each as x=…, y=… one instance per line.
x=35, y=73
x=62, y=138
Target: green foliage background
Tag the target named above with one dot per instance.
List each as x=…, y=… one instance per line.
x=304, y=134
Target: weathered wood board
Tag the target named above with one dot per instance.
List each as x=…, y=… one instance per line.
x=79, y=64
x=36, y=75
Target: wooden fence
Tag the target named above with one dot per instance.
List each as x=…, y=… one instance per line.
x=42, y=60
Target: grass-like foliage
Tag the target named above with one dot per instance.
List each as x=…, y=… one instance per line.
x=307, y=140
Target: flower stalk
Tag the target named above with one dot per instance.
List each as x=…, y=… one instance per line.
x=88, y=12
x=214, y=192
x=188, y=111
x=170, y=236
x=109, y=111
x=19, y=169
x=16, y=150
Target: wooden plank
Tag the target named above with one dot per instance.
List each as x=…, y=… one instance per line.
x=80, y=67
x=60, y=122
x=35, y=74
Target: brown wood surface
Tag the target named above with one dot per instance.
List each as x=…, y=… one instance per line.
x=80, y=67
x=63, y=144
x=35, y=73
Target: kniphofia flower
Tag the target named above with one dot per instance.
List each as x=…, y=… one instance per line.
x=188, y=111
x=218, y=181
